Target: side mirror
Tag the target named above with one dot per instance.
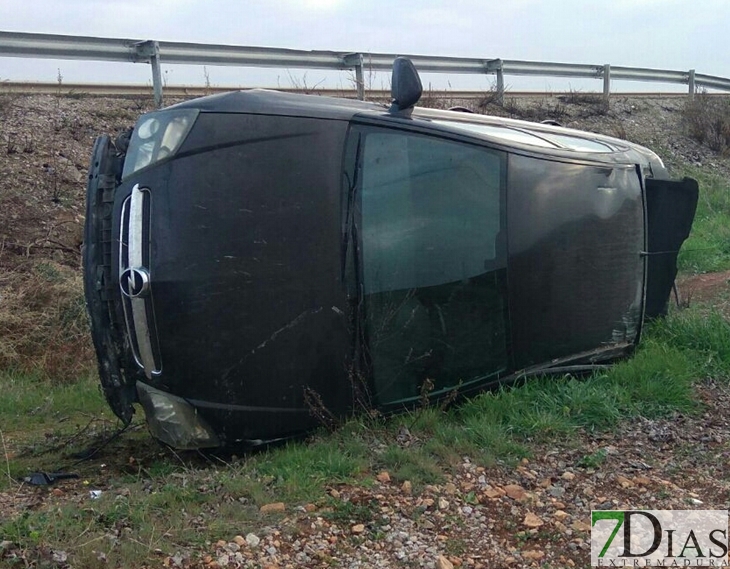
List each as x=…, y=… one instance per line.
x=405, y=87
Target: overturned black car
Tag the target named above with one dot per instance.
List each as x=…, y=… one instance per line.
x=253, y=250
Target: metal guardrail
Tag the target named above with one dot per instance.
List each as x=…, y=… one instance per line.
x=69, y=89
x=49, y=46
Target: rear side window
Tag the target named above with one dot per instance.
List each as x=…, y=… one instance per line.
x=433, y=258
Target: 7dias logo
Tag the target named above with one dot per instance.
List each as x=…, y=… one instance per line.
x=659, y=538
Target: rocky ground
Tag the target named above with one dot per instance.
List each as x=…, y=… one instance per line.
x=533, y=514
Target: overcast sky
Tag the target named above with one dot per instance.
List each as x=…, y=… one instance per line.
x=667, y=34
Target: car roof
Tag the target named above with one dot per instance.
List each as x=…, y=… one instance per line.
x=265, y=101
x=504, y=132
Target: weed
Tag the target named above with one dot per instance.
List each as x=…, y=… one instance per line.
x=656, y=381
x=456, y=547
x=491, y=97
x=206, y=77
x=320, y=411
x=594, y=459
x=350, y=513
x=28, y=146
x=76, y=95
x=301, y=85
x=5, y=104
x=415, y=465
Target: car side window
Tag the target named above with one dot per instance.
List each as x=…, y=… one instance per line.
x=433, y=262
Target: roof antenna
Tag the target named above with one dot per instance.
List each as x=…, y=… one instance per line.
x=405, y=88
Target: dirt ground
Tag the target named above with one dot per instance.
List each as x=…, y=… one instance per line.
x=711, y=288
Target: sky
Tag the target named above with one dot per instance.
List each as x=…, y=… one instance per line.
x=662, y=34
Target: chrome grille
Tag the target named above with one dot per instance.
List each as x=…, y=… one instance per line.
x=134, y=280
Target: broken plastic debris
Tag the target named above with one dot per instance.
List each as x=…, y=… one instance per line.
x=47, y=478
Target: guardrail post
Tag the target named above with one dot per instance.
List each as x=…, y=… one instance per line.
x=691, y=81
x=156, y=75
x=359, y=79
x=606, y=81
x=495, y=66
x=355, y=60
x=500, y=86
x=150, y=51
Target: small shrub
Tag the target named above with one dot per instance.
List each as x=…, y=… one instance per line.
x=593, y=104
x=575, y=97
x=706, y=118
x=618, y=130
x=6, y=103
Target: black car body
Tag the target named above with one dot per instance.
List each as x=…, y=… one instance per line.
x=255, y=253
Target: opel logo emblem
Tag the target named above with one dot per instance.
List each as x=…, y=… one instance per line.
x=135, y=283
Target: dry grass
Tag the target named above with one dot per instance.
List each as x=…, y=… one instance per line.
x=535, y=111
x=43, y=322
x=707, y=119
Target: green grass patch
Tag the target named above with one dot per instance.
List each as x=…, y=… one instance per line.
x=417, y=465
x=702, y=337
x=300, y=471
x=44, y=423
x=657, y=380
x=708, y=247
x=31, y=398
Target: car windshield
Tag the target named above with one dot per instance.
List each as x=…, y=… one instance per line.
x=507, y=134
x=541, y=139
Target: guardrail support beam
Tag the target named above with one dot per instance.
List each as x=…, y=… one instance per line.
x=360, y=82
x=606, y=81
x=500, y=86
x=691, y=82
x=150, y=51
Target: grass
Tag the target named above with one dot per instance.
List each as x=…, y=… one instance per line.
x=27, y=398
x=708, y=247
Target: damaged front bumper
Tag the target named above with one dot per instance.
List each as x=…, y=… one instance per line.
x=174, y=421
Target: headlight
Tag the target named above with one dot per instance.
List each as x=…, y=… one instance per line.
x=175, y=421
x=157, y=136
